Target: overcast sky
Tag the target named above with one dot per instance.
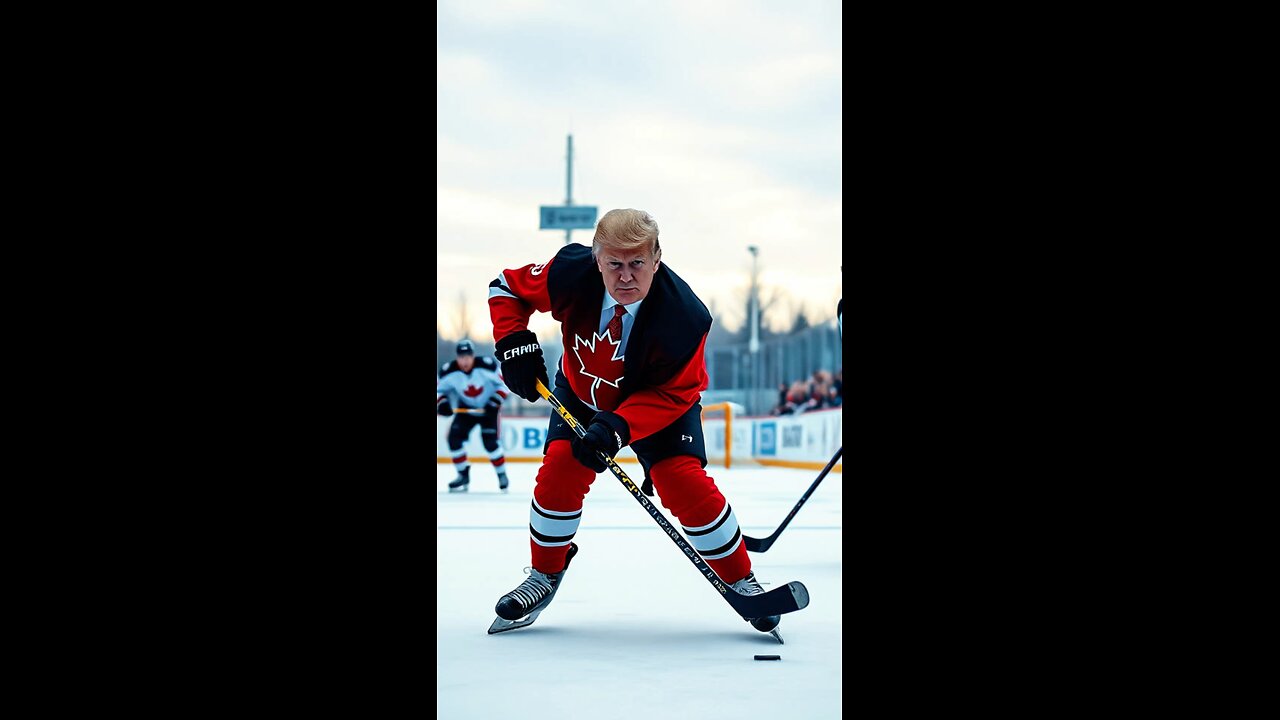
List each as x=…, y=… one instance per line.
x=722, y=119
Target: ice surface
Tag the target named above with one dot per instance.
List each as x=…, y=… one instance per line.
x=635, y=631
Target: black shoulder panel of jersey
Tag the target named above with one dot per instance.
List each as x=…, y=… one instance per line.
x=448, y=368
x=573, y=279
x=671, y=324
x=487, y=363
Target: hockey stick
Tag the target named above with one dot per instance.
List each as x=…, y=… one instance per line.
x=468, y=411
x=788, y=598
x=761, y=544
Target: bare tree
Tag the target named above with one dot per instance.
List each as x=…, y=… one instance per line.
x=799, y=321
x=772, y=302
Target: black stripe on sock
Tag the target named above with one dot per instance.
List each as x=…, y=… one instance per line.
x=574, y=516
x=550, y=538
x=725, y=547
x=727, y=512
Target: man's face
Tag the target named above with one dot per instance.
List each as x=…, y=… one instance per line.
x=465, y=362
x=627, y=274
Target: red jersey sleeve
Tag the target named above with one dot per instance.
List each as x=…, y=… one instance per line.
x=515, y=295
x=653, y=408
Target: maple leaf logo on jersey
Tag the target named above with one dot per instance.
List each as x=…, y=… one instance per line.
x=472, y=391
x=599, y=360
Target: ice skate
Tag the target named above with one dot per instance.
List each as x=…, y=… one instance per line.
x=460, y=483
x=502, y=481
x=521, y=606
x=767, y=624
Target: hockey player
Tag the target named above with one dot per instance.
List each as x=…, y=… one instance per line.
x=632, y=372
x=474, y=387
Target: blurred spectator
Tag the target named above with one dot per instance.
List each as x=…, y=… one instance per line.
x=821, y=390
x=798, y=397
x=816, y=390
x=833, y=397
x=782, y=407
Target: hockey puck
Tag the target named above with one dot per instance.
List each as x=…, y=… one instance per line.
x=768, y=657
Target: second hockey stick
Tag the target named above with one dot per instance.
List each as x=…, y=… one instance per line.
x=778, y=601
x=759, y=545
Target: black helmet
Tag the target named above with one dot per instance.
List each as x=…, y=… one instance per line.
x=464, y=348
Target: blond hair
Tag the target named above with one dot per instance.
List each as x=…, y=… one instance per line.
x=626, y=229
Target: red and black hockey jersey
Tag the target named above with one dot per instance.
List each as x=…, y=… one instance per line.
x=663, y=372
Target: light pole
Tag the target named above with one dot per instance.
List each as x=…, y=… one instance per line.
x=753, y=344
x=568, y=185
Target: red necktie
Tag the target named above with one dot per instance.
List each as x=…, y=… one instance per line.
x=615, y=323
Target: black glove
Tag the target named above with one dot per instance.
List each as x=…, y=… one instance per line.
x=522, y=363
x=608, y=434
x=443, y=407
x=491, y=407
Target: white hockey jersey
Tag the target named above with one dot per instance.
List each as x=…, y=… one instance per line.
x=473, y=389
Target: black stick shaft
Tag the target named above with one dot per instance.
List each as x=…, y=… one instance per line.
x=760, y=545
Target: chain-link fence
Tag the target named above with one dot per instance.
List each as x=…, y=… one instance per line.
x=753, y=379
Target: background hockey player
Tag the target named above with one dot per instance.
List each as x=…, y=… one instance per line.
x=471, y=389
x=632, y=372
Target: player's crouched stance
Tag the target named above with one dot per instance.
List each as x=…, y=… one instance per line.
x=633, y=370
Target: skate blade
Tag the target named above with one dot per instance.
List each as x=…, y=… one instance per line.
x=458, y=489
x=774, y=632
x=503, y=625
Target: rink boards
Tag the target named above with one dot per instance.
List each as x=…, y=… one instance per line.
x=800, y=441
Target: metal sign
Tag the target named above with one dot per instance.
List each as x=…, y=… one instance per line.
x=567, y=217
